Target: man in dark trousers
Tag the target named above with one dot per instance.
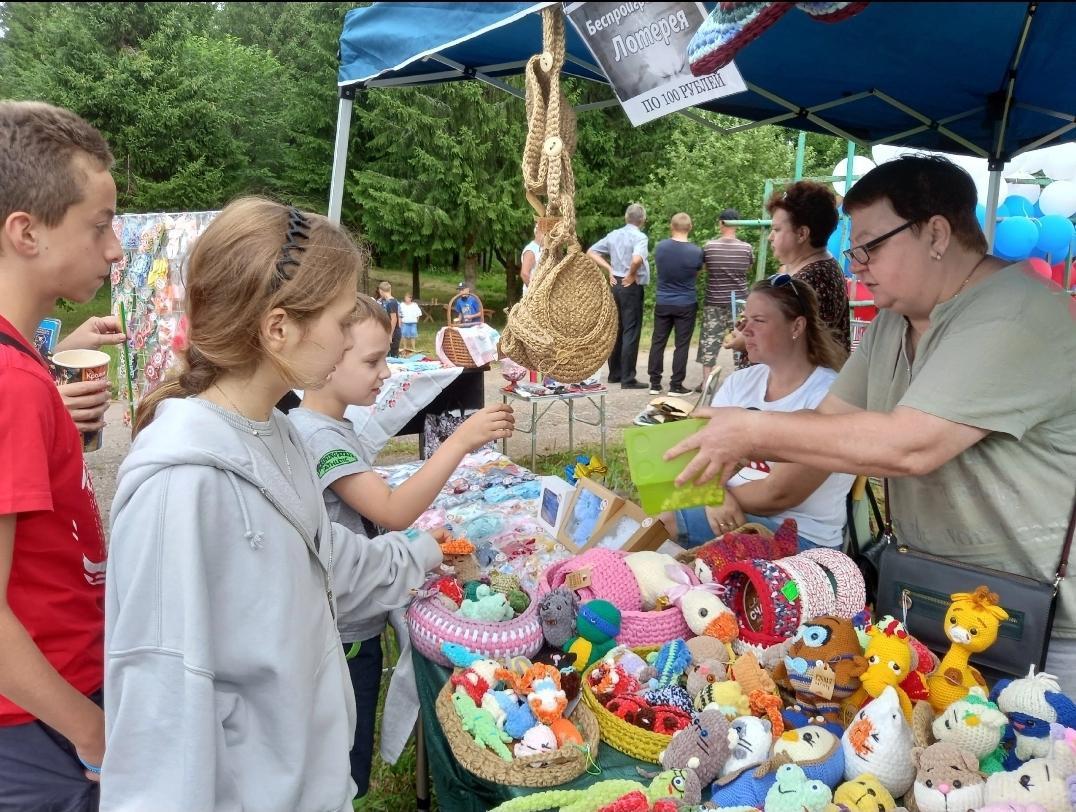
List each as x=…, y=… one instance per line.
x=623, y=254
x=678, y=263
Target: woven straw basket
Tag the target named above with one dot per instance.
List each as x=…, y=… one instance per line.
x=636, y=742
x=452, y=344
x=543, y=770
x=430, y=624
x=613, y=580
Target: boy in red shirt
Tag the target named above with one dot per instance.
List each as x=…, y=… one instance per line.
x=57, y=201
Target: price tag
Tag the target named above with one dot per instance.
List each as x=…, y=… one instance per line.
x=823, y=680
x=791, y=591
x=578, y=579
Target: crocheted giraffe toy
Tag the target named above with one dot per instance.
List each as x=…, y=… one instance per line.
x=971, y=624
x=890, y=658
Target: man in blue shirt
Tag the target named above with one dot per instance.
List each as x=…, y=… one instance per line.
x=678, y=263
x=626, y=249
x=467, y=308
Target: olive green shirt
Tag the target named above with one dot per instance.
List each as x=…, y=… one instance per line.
x=1001, y=357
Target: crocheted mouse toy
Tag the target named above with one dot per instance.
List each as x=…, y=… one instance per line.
x=878, y=741
x=947, y=778
x=975, y=724
x=598, y=624
x=971, y=624
x=556, y=612
x=1032, y=703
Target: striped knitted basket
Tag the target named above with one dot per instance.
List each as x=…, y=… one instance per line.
x=613, y=580
x=431, y=624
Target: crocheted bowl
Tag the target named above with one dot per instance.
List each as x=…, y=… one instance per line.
x=542, y=770
x=635, y=741
x=613, y=580
x=431, y=624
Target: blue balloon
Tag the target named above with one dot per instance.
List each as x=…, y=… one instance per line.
x=1056, y=234
x=980, y=214
x=1035, y=210
x=1016, y=206
x=1016, y=237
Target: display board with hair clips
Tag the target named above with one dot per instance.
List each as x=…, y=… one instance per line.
x=147, y=295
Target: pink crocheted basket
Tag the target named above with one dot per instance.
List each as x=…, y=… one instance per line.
x=431, y=623
x=611, y=579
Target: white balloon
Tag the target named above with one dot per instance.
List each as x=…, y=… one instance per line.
x=1059, y=162
x=1028, y=191
x=861, y=165
x=1059, y=198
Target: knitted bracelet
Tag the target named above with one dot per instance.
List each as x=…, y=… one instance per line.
x=93, y=768
x=845, y=576
x=816, y=592
x=764, y=599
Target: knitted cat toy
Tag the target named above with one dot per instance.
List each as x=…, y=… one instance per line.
x=1032, y=703
x=947, y=778
x=751, y=740
x=864, y=794
x=702, y=746
x=971, y=624
x=975, y=724
x=679, y=785
x=890, y=658
x=878, y=741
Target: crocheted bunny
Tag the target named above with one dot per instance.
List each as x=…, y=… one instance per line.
x=1032, y=703
x=650, y=570
x=975, y=724
x=947, y=778
x=878, y=741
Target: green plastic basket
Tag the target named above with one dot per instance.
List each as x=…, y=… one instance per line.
x=655, y=478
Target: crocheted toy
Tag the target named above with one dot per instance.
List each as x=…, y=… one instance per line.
x=946, y=778
x=566, y=732
x=813, y=746
x=672, y=696
x=460, y=656
x=556, y=613
x=747, y=546
x=597, y=624
x=703, y=746
x=751, y=675
x=450, y=589
x=707, y=648
x=669, y=663
x=704, y=611
x=488, y=606
x=794, y=792
x=523, y=683
x=1042, y=780
x=481, y=726
x=547, y=700
x=832, y=641
x=751, y=739
x=539, y=739
x=878, y=741
x=975, y=724
x=701, y=674
x=890, y=658
x=459, y=554
x=608, y=679
x=651, y=572
x=471, y=683
x=971, y=624
x=727, y=696
x=679, y=785
x=1032, y=703
x=864, y=794
x=632, y=709
x=492, y=705
x=470, y=589
x=518, y=716
x=668, y=720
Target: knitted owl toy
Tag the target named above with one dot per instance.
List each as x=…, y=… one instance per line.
x=878, y=741
x=597, y=625
x=971, y=624
x=1032, y=703
x=975, y=724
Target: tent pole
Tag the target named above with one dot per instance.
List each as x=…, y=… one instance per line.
x=801, y=146
x=343, y=132
x=992, y=195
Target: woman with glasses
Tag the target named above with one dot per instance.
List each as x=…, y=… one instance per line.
x=804, y=216
x=796, y=360
x=961, y=391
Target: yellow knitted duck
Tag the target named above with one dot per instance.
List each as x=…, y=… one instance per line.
x=890, y=658
x=972, y=624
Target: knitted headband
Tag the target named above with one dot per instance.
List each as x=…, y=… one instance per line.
x=298, y=229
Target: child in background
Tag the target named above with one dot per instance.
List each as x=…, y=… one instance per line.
x=224, y=675
x=353, y=491
x=392, y=308
x=410, y=313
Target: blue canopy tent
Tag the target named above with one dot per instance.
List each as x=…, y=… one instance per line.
x=986, y=79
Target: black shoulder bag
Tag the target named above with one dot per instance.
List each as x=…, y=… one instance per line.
x=915, y=586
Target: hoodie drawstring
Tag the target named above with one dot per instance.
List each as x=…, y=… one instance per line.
x=254, y=539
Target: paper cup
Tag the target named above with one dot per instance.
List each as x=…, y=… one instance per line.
x=73, y=366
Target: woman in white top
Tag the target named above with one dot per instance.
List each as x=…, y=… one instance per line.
x=532, y=252
x=410, y=313
x=797, y=361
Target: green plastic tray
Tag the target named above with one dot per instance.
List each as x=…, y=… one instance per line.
x=654, y=477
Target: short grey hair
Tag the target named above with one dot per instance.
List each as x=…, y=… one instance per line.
x=635, y=214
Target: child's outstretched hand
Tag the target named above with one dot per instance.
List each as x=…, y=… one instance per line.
x=484, y=426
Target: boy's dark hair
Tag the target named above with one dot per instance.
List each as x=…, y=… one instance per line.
x=808, y=204
x=919, y=187
x=38, y=145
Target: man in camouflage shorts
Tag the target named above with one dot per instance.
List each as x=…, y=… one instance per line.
x=727, y=261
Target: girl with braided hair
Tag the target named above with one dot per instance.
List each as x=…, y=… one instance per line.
x=224, y=671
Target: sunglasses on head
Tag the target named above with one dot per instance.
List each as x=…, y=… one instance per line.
x=781, y=280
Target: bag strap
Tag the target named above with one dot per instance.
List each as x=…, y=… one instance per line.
x=11, y=341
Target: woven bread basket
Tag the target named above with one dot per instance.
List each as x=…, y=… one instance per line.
x=431, y=624
x=452, y=344
x=635, y=741
x=613, y=580
x=542, y=770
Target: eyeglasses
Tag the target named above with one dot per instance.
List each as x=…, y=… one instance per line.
x=862, y=253
x=782, y=279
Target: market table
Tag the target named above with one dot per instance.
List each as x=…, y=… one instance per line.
x=595, y=398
